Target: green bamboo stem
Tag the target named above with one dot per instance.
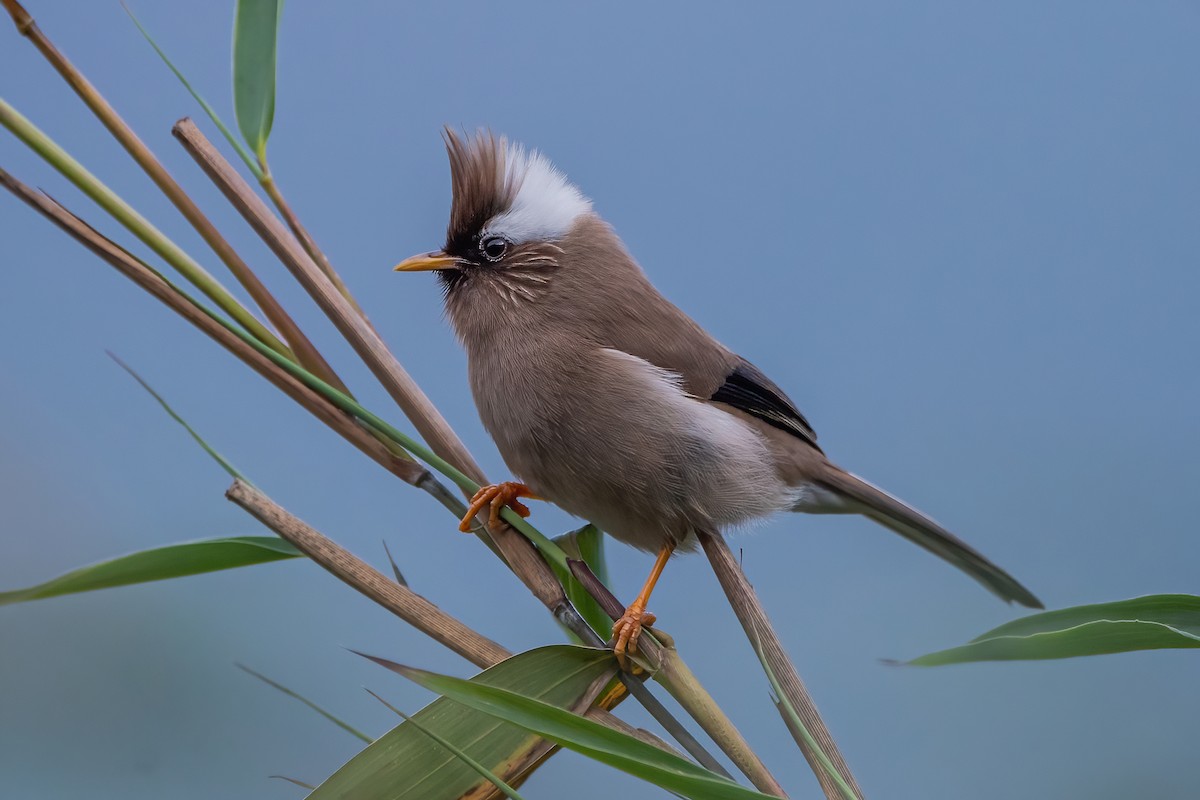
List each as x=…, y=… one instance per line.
x=799, y=730
x=418, y=612
x=306, y=353
x=675, y=676
x=232, y=339
x=155, y=239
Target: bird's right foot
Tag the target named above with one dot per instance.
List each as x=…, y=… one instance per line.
x=497, y=495
x=628, y=629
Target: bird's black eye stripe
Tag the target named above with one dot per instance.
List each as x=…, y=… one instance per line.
x=493, y=247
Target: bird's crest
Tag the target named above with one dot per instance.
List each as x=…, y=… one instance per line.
x=503, y=188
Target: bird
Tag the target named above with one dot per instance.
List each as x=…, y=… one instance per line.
x=607, y=400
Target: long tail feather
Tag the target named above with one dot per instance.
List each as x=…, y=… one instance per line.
x=921, y=530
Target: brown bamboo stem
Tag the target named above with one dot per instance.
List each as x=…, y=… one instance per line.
x=429, y=423
x=400, y=600
x=307, y=242
x=305, y=352
x=353, y=571
x=758, y=628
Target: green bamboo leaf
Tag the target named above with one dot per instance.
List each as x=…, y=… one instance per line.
x=347, y=727
x=204, y=104
x=160, y=563
x=627, y=753
x=587, y=545
x=458, y=752
x=1153, y=622
x=406, y=763
x=255, y=33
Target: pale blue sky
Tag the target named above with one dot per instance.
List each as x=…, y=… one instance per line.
x=962, y=236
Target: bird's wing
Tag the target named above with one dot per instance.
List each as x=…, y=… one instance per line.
x=746, y=388
x=635, y=319
x=665, y=337
x=710, y=372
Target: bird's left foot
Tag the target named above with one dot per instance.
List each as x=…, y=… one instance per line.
x=628, y=629
x=497, y=495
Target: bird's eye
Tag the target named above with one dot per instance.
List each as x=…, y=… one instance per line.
x=493, y=248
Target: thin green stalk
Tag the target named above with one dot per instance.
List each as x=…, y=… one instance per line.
x=155, y=239
x=682, y=684
x=757, y=626
x=267, y=181
x=346, y=726
x=173, y=414
x=797, y=727
x=262, y=173
x=234, y=142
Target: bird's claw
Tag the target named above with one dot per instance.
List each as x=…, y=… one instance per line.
x=497, y=495
x=627, y=630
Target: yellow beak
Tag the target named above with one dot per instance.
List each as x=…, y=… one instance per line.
x=426, y=262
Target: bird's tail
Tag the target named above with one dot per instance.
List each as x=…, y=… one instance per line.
x=920, y=529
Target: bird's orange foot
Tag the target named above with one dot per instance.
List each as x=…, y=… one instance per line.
x=497, y=495
x=628, y=629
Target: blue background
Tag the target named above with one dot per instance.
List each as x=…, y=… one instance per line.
x=963, y=236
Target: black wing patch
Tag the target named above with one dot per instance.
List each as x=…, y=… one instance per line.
x=747, y=389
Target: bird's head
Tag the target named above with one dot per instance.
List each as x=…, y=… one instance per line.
x=510, y=214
